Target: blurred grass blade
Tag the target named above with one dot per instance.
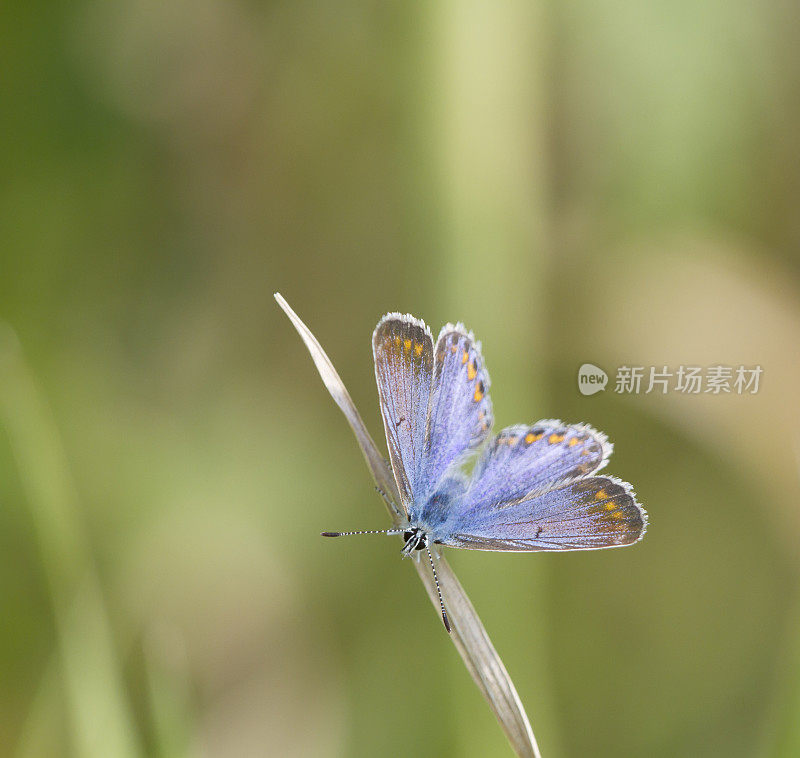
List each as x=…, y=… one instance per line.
x=782, y=733
x=170, y=691
x=468, y=634
x=99, y=717
x=782, y=737
x=41, y=733
x=381, y=472
x=479, y=655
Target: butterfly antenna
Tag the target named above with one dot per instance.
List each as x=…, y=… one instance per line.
x=438, y=591
x=366, y=531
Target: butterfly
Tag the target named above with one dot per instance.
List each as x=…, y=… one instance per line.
x=533, y=487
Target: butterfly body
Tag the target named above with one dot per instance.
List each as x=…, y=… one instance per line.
x=432, y=515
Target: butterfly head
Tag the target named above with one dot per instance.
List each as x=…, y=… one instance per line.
x=415, y=538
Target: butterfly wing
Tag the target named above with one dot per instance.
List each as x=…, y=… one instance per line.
x=525, y=459
x=434, y=401
x=584, y=514
x=402, y=347
x=460, y=411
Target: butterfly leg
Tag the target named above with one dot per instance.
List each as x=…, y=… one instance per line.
x=389, y=502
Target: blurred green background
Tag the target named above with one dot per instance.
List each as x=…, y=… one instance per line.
x=577, y=181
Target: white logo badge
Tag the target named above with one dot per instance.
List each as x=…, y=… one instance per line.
x=591, y=379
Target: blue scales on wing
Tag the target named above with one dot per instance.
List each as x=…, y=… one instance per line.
x=584, y=514
x=434, y=401
x=460, y=410
x=402, y=347
x=533, y=487
x=523, y=459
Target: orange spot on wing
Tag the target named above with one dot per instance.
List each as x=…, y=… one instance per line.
x=555, y=438
x=418, y=349
x=478, y=396
x=464, y=357
x=530, y=438
x=472, y=371
x=574, y=441
x=600, y=495
x=618, y=514
x=407, y=344
x=609, y=506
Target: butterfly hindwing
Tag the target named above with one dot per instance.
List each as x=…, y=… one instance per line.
x=585, y=514
x=524, y=459
x=402, y=347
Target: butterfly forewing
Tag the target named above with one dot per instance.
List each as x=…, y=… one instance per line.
x=585, y=514
x=403, y=350
x=460, y=412
x=521, y=460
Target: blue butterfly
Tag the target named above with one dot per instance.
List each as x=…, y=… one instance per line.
x=532, y=488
